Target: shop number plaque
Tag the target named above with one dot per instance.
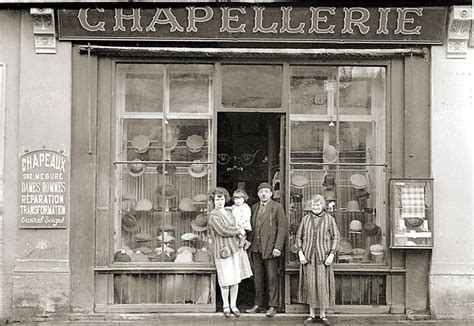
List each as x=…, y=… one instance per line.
x=44, y=182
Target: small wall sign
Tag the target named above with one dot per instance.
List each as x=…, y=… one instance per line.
x=44, y=184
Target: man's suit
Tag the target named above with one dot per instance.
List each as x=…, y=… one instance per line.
x=269, y=229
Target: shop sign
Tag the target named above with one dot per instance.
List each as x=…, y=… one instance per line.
x=409, y=25
x=44, y=183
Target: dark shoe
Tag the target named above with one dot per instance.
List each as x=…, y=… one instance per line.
x=272, y=311
x=325, y=321
x=236, y=311
x=226, y=311
x=310, y=320
x=254, y=310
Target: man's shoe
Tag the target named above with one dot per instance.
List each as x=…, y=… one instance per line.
x=272, y=311
x=310, y=320
x=254, y=310
x=325, y=321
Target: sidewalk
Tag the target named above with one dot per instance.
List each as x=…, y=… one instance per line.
x=203, y=319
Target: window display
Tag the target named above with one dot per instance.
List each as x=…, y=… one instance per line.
x=164, y=169
x=411, y=213
x=337, y=150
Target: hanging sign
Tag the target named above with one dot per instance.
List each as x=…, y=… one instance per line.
x=409, y=25
x=44, y=183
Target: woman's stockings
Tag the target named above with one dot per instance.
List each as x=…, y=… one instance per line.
x=225, y=296
x=234, y=291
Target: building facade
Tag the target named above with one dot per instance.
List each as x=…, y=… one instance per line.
x=118, y=120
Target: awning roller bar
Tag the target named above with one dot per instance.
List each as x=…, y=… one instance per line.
x=216, y=53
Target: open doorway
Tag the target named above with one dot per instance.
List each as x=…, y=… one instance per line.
x=248, y=153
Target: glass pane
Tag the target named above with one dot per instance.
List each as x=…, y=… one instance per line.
x=356, y=142
x=361, y=89
x=142, y=139
x=307, y=94
x=187, y=140
x=140, y=87
x=190, y=88
x=163, y=215
x=251, y=86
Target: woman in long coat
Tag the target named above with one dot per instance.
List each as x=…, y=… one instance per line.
x=317, y=240
x=230, y=265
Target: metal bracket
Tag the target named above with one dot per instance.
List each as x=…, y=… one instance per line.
x=44, y=30
x=459, y=32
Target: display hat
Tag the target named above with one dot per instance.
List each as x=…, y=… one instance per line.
x=299, y=181
x=345, y=258
x=264, y=185
x=358, y=181
x=166, y=227
x=410, y=243
x=138, y=256
x=184, y=257
x=189, y=236
x=166, y=190
x=376, y=249
x=329, y=153
x=128, y=196
x=345, y=246
x=199, y=224
x=296, y=197
x=329, y=194
x=353, y=206
x=200, y=198
x=129, y=222
x=165, y=237
x=202, y=256
x=355, y=226
x=165, y=248
x=121, y=257
x=187, y=205
x=195, y=143
x=143, y=205
x=140, y=143
x=413, y=222
x=145, y=250
x=142, y=237
x=329, y=181
x=370, y=228
x=136, y=169
x=197, y=169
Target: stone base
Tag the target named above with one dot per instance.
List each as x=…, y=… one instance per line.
x=452, y=296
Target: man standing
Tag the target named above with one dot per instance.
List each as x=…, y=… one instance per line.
x=269, y=227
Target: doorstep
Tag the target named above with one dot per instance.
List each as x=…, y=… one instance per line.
x=177, y=319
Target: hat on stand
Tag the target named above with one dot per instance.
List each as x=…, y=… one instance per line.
x=329, y=154
x=143, y=205
x=329, y=194
x=189, y=236
x=140, y=144
x=299, y=181
x=166, y=190
x=353, y=206
x=142, y=237
x=329, y=181
x=195, y=143
x=358, y=181
x=129, y=222
x=199, y=224
x=187, y=205
x=136, y=169
x=200, y=198
x=355, y=226
x=197, y=169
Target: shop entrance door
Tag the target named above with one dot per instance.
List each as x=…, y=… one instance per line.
x=250, y=150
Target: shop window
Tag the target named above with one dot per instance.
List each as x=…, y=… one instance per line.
x=251, y=86
x=341, y=155
x=164, y=172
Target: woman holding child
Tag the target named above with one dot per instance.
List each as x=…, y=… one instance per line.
x=229, y=257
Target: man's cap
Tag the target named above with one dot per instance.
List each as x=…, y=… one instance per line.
x=264, y=185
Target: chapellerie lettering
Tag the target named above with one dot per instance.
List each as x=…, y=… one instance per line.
x=252, y=20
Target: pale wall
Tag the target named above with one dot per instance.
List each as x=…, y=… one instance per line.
x=452, y=270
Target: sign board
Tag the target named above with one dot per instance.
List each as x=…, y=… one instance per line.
x=44, y=183
x=401, y=25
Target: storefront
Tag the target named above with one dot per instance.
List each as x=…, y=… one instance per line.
x=167, y=102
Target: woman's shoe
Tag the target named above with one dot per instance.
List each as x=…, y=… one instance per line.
x=236, y=311
x=325, y=321
x=310, y=320
x=226, y=311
